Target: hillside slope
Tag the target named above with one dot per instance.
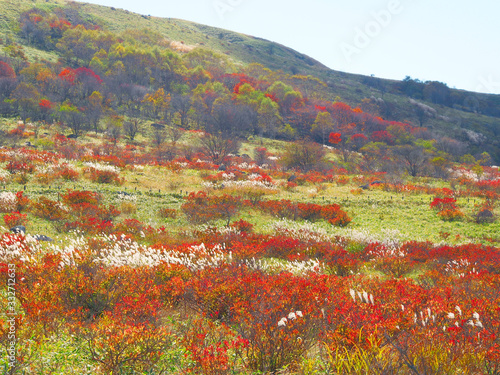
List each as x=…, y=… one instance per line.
x=469, y=117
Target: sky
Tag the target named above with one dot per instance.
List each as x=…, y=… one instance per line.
x=452, y=41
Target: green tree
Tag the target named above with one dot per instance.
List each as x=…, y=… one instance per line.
x=303, y=155
x=268, y=117
x=72, y=117
x=26, y=97
x=322, y=127
x=77, y=44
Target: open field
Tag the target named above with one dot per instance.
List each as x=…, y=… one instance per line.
x=242, y=279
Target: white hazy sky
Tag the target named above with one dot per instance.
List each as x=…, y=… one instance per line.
x=452, y=41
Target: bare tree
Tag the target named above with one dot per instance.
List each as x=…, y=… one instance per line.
x=217, y=147
x=114, y=126
x=413, y=158
x=158, y=134
x=174, y=134
x=422, y=111
x=451, y=146
x=114, y=132
x=232, y=120
x=181, y=104
x=132, y=127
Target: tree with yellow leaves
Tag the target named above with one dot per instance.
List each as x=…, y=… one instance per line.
x=157, y=103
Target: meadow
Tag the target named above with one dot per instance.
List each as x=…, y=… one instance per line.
x=181, y=265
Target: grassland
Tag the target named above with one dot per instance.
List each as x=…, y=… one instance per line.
x=375, y=212
x=380, y=218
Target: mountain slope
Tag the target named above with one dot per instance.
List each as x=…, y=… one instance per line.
x=460, y=114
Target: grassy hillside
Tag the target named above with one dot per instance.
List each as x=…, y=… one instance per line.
x=381, y=96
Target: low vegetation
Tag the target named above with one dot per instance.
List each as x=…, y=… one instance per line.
x=168, y=211
x=241, y=268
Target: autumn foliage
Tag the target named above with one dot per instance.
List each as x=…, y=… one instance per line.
x=177, y=252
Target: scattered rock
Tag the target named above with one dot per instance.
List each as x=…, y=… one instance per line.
x=485, y=216
x=222, y=167
x=292, y=178
x=18, y=229
x=42, y=237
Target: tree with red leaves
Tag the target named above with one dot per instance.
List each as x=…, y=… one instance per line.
x=335, y=138
x=201, y=208
x=45, y=104
x=356, y=141
x=6, y=71
x=68, y=75
x=382, y=136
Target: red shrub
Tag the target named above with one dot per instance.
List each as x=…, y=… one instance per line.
x=90, y=225
x=167, y=213
x=444, y=203
x=200, y=208
x=447, y=208
x=19, y=167
x=66, y=173
x=242, y=226
x=48, y=209
x=451, y=214
x=130, y=226
x=72, y=197
x=281, y=209
x=208, y=343
x=16, y=218
x=307, y=211
x=285, y=248
x=21, y=201
x=104, y=177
